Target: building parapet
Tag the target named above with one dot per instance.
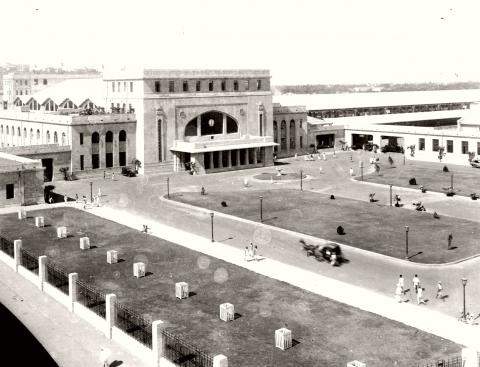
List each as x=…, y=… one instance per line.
x=51, y=118
x=185, y=74
x=10, y=162
x=36, y=149
x=289, y=109
x=104, y=119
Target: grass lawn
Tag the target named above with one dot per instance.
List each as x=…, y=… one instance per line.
x=368, y=226
x=466, y=180
x=328, y=333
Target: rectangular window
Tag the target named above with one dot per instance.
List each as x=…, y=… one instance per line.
x=198, y=86
x=118, y=86
x=35, y=81
x=26, y=82
x=301, y=141
x=81, y=163
x=113, y=86
x=223, y=85
x=421, y=143
x=45, y=82
x=185, y=86
x=464, y=147
x=247, y=84
x=124, y=86
x=449, y=146
x=235, y=85
x=171, y=86
x=435, y=145
x=210, y=86
x=81, y=138
x=131, y=86
x=10, y=191
x=478, y=147
x=259, y=84
x=157, y=87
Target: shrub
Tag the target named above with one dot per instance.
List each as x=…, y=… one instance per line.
x=445, y=169
x=332, y=197
x=474, y=196
x=435, y=215
x=412, y=181
x=340, y=230
x=224, y=204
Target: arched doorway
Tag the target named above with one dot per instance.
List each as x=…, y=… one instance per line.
x=95, y=150
x=109, y=149
x=122, y=148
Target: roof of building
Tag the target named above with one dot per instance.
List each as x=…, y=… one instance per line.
x=315, y=121
x=376, y=99
x=10, y=162
x=76, y=90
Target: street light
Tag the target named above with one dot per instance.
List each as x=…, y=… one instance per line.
x=451, y=181
x=91, y=191
x=390, y=195
x=261, y=208
x=211, y=217
x=361, y=169
x=301, y=180
x=168, y=187
x=464, y=283
x=406, y=242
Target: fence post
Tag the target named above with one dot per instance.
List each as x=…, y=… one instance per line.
x=220, y=361
x=17, y=255
x=72, y=289
x=157, y=342
x=110, y=313
x=42, y=271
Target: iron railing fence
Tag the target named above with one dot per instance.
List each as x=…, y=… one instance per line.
x=57, y=277
x=135, y=325
x=6, y=246
x=181, y=353
x=455, y=361
x=29, y=261
x=91, y=298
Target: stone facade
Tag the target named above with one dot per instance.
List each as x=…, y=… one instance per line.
x=290, y=130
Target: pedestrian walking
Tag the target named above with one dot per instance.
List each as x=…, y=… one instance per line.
x=449, y=240
x=104, y=175
x=416, y=283
x=398, y=293
x=113, y=176
x=420, y=295
x=105, y=357
x=401, y=283
x=76, y=198
x=246, y=254
x=324, y=156
x=250, y=249
x=255, y=252
x=99, y=192
x=351, y=171
x=65, y=198
x=333, y=259
x=440, y=291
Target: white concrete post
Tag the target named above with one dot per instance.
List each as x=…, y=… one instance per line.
x=157, y=342
x=17, y=246
x=220, y=361
x=42, y=271
x=110, y=313
x=72, y=289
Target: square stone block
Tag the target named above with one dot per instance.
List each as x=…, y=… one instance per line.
x=84, y=243
x=22, y=214
x=356, y=364
x=181, y=290
x=283, y=338
x=39, y=222
x=112, y=257
x=139, y=270
x=227, y=312
x=61, y=232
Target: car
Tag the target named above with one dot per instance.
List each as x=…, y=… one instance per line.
x=129, y=172
x=475, y=163
x=330, y=249
x=392, y=148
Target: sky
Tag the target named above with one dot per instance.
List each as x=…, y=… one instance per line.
x=300, y=41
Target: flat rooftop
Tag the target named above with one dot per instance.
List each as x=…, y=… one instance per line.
x=184, y=73
x=376, y=99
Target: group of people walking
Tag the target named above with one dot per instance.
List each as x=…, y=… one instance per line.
x=400, y=290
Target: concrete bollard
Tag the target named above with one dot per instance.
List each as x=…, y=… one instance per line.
x=17, y=254
x=220, y=361
x=22, y=214
x=110, y=313
x=227, y=312
x=139, y=270
x=181, y=290
x=157, y=342
x=61, y=232
x=42, y=271
x=72, y=290
x=356, y=364
x=39, y=222
x=112, y=257
x=84, y=243
x=283, y=338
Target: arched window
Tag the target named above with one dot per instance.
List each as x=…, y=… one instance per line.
x=24, y=135
x=2, y=129
x=293, y=134
x=109, y=137
x=275, y=130
x=95, y=138
x=55, y=138
x=38, y=136
x=8, y=130
x=31, y=136
x=122, y=148
x=19, y=134
x=283, y=135
x=48, y=137
x=13, y=131
x=122, y=136
x=64, y=140
x=211, y=123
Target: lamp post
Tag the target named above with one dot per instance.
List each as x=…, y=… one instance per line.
x=390, y=195
x=451, y=181
x=91, y=191
x=464, y=283
x=301, y=180
x=404, y=157
x=361, y=170
x=168, y=187
x=261, y=208
x=211, y=220
x=406, y=242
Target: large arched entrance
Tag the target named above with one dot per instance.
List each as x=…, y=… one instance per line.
x=211, y=123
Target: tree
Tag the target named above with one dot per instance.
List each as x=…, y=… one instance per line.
x=441, y=153
x=377, y=168
x=64, y=170
x=137, y=163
